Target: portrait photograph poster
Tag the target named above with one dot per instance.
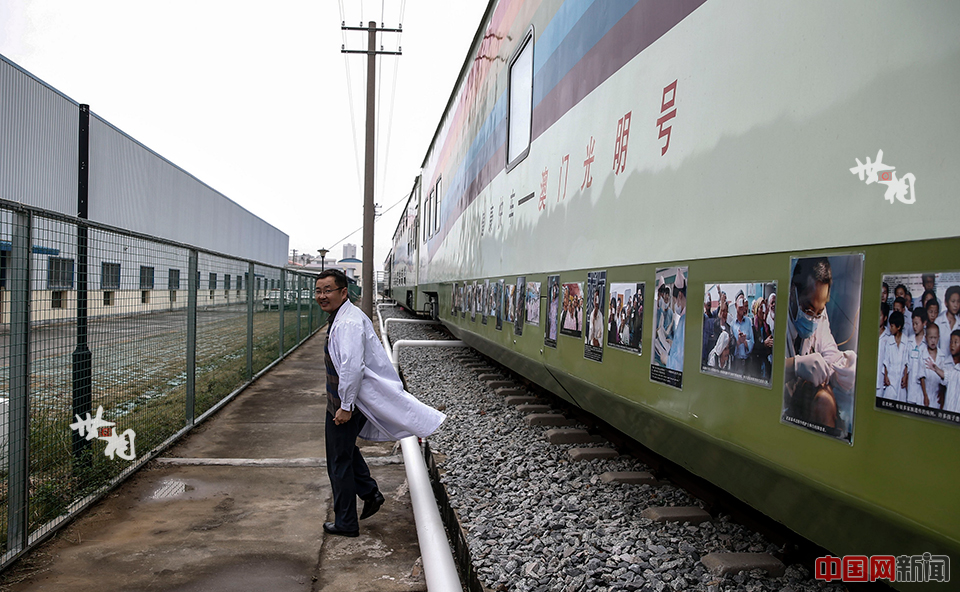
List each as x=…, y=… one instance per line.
x=553, y=311
x=571, y=309
x=916, y=362
x=485, y=301
x=533, y=304
x=498, y=297
x=595, y=319
x=820, y=367
x=669, y=326
x=625, y=317
x=737, y=340
x=519, y=304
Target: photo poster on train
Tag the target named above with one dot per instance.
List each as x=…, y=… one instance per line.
x=519, y=304
x=571, y=309
x=533, y=304
x=918, y=353
x=509, y=302
x=462, y=304
x=485, y=302
x=625, y=322
x=553, y=311
x=473, y=301
x=594, y=318
x=820, y=367
x=737, y=340
x=490, y=305
x=498, y=302
x=670, y=325
x=453, y=300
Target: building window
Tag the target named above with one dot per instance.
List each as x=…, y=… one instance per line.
x=109, y=276
x=173, y=279
x=173, y=295
x=59, y=274
x=213, y=281
x=226, y=281
x=146, y=278
x=145, y=297
x=57, y=299
x=520, y=104
x=107, y=298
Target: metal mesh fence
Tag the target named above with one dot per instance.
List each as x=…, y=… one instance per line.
x=112, y=344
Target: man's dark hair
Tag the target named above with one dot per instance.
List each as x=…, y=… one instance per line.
x=931, y=302
x=920, y=313
x=896, y=318
x=899, y=287
x=339, y=278
x=816, y=270
x=901, y=301
x=950, y=292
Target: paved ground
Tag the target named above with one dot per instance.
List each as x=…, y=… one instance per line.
x=188, y=522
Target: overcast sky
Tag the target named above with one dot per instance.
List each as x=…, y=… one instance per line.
x=252, y=97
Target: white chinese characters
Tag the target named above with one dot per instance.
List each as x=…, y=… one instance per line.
x=878, y=172
x=121, y=445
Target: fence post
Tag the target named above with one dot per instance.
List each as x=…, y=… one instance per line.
x=283, y=305
x=250, y=321
x=82, y=357
x=310, y=288
x=18, y=418
x=299, y=293
x=192, y=286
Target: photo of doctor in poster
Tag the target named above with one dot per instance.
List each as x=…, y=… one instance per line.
x=737, y=337
x=571, y=309
x=553, y=311
x=625, y=317
x=917, y=372
x=595, y=319
x=821, y=344
x=519, y=304
x=670, y=322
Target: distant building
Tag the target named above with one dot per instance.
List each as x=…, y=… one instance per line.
x=349, y=251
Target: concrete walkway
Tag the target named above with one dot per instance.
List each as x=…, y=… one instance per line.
x=239, y=505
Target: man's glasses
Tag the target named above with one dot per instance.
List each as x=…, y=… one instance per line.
x=327, y=292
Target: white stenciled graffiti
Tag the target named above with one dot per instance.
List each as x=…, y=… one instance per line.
x=118, y=444
x=877, y=172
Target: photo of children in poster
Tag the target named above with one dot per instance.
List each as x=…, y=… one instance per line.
x=669, y=321
x=520, y=301
x=595, y=319
x=453, y=300
x=553, y=311
x=485, y=301
x=533, y=304
x=460, y=301
x=738, y=331
x=571, y=309
x=509, y=302
x=918, y=359
x=625, y=317
x=821, y=344
x=498, y=302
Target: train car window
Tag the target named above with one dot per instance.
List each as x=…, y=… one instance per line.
x=520, y=111
x=436, y=218
x=426, y=217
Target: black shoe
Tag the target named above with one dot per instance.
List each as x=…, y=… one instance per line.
x=332, y=528
x=371, y=505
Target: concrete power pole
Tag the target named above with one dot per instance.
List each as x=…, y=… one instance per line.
x=366, y=276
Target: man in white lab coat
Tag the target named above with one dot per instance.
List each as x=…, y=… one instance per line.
x=365, y=398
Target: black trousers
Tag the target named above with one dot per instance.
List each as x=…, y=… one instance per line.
x=348, y=472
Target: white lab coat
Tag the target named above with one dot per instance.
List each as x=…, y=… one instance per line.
x=914, y=352
x=843, y=365
x=369, y=382
x=894, y=360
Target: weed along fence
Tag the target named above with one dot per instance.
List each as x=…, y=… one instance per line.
x=114, y=344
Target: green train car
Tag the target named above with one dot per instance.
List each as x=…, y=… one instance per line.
x=681, y=217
